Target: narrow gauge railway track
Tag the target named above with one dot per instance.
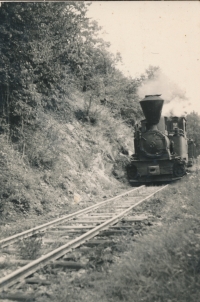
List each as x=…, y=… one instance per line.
x=66, y=233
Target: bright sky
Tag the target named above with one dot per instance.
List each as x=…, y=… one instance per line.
x=164, y=34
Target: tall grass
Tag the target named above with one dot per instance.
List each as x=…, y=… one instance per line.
x=164, y=265
x=161, y=266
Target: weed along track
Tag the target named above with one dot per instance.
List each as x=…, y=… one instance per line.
x=22, y=255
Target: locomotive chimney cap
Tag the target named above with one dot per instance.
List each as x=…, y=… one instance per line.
x=152, y=97
x=152, y=107
x=148, y=95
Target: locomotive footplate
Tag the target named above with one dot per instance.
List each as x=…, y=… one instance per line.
x=154, y=179
x=148, y=171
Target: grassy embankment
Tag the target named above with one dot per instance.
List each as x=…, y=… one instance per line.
x=67, y=163
x=162, y=265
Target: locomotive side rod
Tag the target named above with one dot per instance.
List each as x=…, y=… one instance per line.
x=33, y=266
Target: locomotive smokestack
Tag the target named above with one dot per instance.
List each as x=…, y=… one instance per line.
x=152, y=108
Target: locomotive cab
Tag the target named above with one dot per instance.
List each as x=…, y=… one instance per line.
x=177, y=134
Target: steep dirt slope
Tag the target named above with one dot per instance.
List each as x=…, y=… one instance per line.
x=68, y=162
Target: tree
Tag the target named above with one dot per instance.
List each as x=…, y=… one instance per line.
x=193, y=128
x=39, y=50
x=48, y=48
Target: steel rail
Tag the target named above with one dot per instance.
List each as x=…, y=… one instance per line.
x=9, y=240
x=33, y=266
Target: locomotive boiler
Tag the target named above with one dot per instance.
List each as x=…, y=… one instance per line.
x=161, y=145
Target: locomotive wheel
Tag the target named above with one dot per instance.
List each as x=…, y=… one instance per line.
x=179, y=170
x=132, y=171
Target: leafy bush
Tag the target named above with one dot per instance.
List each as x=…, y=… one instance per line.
x=30, y=248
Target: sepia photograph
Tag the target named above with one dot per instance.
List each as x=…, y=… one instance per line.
x=99, y=151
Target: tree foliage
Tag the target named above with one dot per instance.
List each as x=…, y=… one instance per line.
x=46, y=49
x=193, y=128
x=39, y=49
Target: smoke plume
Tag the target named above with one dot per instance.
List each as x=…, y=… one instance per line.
x=176, y=102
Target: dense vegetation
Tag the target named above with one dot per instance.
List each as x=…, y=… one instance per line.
x=193, y=128
x=46, y=55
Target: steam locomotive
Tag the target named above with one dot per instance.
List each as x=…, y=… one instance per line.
x=162, y=150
